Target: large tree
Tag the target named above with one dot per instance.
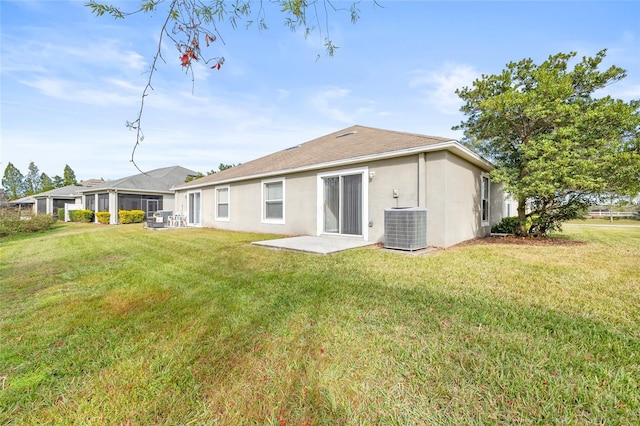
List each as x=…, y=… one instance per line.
x=58, y=181
x=554, y=143
x=69, y=176
x=32, y=182
x=13, y=182
x=194, y=26
x=47, y=183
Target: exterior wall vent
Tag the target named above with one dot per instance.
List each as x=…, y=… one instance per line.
x=355, y=132
x=405, y=228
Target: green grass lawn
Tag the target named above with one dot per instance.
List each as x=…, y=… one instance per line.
x=606, y=221
x=120, y=325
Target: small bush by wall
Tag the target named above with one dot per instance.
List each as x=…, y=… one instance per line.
x=103, y=217
x=130, y=216
x=61, y=214
x=85, y=216
x=508, y=225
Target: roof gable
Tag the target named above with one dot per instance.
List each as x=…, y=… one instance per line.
x=158, y=180
x=69, y=191
x=351, y=144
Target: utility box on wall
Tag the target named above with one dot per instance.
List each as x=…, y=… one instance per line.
x=405, y=228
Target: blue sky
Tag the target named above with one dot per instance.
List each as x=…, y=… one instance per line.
x=70, y=80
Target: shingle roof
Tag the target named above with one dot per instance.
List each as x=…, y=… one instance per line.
x=351, y=143
x=24, y=200
x=92, y=182
x=69, y=191
x=158, y=180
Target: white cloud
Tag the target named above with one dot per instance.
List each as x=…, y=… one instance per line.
x=621, y=90
x=58, y=54
x=70, y=90
x=327, y=101
x=439, y=85
x=283, y=94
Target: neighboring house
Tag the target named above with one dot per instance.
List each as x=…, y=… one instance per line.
x=341, y=184
x=49, y=202
x=25, y=203
x=150, y=192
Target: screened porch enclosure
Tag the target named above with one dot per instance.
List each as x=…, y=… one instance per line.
x=343, y=204
x=147, y=203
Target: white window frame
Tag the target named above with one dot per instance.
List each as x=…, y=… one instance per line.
x=263, y=204
x=228, y=203
x=485, y=220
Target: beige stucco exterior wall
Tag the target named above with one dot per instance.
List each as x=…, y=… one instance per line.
x=245, y=206
x=448, y=186
x=453, y=200
x=301, y=199
x=396, y=174
x=168, y=202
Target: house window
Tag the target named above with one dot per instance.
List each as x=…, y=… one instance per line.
x=485, y=200
x=273, y=201
x=222, y=203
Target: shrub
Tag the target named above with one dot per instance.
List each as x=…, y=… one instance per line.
x=508, y=225
x=85, y=216
x=130, y=216
x=103, y=217
x=38, y=222
x=11, y=224
x=61, y=214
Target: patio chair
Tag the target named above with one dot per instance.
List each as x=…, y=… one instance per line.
x=179, y=220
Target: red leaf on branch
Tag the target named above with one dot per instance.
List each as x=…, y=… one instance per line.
x=184, y=59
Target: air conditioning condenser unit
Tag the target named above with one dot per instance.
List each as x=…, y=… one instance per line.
x=405, y=228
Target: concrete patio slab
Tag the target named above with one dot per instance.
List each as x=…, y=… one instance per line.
x=311, y=244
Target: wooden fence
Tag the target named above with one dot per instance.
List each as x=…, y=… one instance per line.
x=605, y=214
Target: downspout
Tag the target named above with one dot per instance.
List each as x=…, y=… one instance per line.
x=422, y=179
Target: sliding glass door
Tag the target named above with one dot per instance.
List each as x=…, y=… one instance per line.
x=342, y=204
x=194, y=209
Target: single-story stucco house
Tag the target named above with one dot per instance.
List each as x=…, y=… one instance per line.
x=49, y=202
x=342, y=184
x=150, y=191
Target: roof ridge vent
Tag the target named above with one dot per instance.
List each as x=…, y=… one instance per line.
x=292, y=147
x=347, y=134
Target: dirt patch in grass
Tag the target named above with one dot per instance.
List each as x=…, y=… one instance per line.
x=523, y=241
